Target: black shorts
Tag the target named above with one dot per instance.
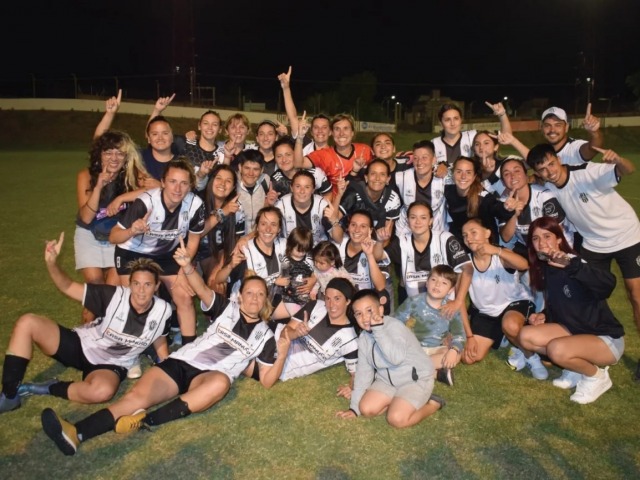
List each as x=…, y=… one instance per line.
x=180, y=372
x=628, y=259
x=122, y=258
x=491, y=327
x=70, y=354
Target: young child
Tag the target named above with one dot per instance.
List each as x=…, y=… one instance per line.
x=394, y=374
x=296, y=269
x=327, y=264
x=442, y=339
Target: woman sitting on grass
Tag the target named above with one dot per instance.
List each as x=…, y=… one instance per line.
x=500, y=303
x=197, y=376
x=394, y=373
x=577, y=330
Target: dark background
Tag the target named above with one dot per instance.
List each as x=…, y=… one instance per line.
x=470, y=50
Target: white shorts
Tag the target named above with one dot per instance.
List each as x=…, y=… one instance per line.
x=90, y=253
x=616, y=345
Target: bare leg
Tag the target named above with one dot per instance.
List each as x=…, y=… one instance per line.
x=374, y=403
x=580, y=353
x=30, y=329
x=206, y=390
x=402, y=414
x=100, y=386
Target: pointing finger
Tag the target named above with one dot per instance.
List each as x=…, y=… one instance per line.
x=119, y=97
x=181, y=238
x=588, y=114
x=289, y=71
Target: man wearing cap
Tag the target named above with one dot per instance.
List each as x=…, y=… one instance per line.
x=555, y=128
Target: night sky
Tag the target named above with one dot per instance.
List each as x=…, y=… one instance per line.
x=468, y=49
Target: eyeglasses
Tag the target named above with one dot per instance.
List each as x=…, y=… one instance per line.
x=114, y=153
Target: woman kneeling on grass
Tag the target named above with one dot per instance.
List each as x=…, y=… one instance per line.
x=577, y=330
x=394, y=373
x=198, y=375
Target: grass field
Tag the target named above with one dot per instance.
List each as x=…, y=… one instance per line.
x=497, y=424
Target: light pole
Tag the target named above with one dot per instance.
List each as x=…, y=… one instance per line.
x=75, y=85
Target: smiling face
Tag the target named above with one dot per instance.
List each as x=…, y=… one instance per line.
x=237, y=131
x=160, y=136
x=514, y=176
x=302, y=190
x=419, y=219
x=222, y=184
x=545, y=241
x=555, y=131
x=143, y=287
x=451, y=122
x=475, y=235
x=209, y=127
x=551, y=170
x=253, y=297
x=320, y=131
x=438, y=287
x=323, y=264
x=284, y=157
x=383, y=147
x=377, y=177
x=463, y=175
x=423, y=159
x=364, y=311
x=342, y=133
x=336, y=303
x=250, y=173
x=175, y=186
x=113, y=159
x=268, y=227
x=266, y=136
x=359, y=228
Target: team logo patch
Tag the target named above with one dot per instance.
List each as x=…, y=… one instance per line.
x=454, y=247
x=437, y=259
x=550, y=209
x=638, y=261
x=153, y=324
x=315, y=219
x=497, y=277
x=584, y=197
x=363, y=262
x=536, y=212
x=566, y=291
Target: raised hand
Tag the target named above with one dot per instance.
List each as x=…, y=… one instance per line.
x=368, y=243
x=504, y=138
x=442, y=170
x=497, y=108
x=331, y=213
x=140, y=226
x=163, y=102
x=232, y=207
x=113, y=104
x=342, y=185
x=181, y=255
x=272, y=197
x=303, y=125
x=281, y=129
x=52, y=249
x=285, y=79
x=590, y=123
x=206, y=167
x=511, y=201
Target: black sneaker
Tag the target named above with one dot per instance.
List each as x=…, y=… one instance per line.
x=42, y=388
x=445, y=375
x=637, y=375
x=439, y=400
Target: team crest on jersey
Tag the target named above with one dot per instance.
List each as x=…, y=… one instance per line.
x=536, y=212
x=584, y=197
x=550, y=209
x=363, y=262
x=409, y=192
x=497, y=277
x=153, y=324
x=185, y=216
x=638, y=261
x=438, y=194
x=454, y=247
x=437, y=259
x=315, y=219
x=566, y=291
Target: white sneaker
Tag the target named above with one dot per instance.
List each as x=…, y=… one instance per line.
x=516, y=359
x=538, y=370
x=135, y=371
x=504, y=343
x=590, y=388
x=567, y=380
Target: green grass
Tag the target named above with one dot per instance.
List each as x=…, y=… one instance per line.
x=497, y=424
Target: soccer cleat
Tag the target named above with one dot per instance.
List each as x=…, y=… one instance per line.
x=42, y=388
x=445, y=375
x=516, y=359
x=590, y=388
x=132, y=423
x=63, y=433
x=8, y=404
x=567, y=380
x=135, y=371
x=176, y=338
x=538, y=370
